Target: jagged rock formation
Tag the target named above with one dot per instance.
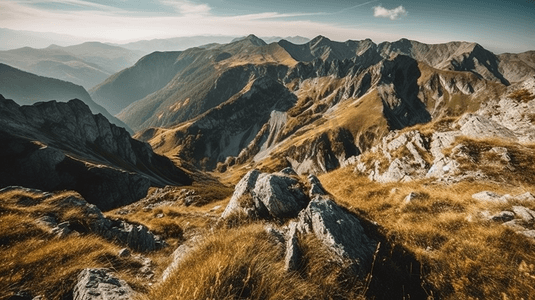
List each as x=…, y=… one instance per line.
x=27, y=88
x=266, y=195
x=55, y=146
x=338, y=230
x=343, y=97
x=411, y=155
x=96, y=284
x=282, y=196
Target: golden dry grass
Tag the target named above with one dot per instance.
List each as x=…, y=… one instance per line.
x=461, y=259
x=247, y=263
x=522, y=95
x=33, y=259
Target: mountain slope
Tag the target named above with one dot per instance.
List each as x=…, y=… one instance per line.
x=196, y=81
x=87, y=64
x=27, y=88
x=55, y=146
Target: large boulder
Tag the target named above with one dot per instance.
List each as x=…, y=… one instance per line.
x=99, y=284
x=339, y=230
x=267, y=195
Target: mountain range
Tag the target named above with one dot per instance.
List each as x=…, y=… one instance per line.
x=85, y=64
x=321, y=102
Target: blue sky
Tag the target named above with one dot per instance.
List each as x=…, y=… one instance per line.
x=501, y=26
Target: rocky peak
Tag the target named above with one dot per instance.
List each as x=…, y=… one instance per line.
x=55, y=146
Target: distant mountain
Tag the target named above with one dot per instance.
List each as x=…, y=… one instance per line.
x=276, y=39
x=13, y=39
x=27, y=88
x=347, y=95
x=175, y=44
x=55, y=146
x=87, y=64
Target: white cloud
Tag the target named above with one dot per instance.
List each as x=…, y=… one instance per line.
x=186, y=7
x=392, y=14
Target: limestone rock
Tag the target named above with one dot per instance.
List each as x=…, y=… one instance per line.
x=515, y=224
x=100, y=284
x=503, y=216
x=479, y=126
x=292, y=258
x=488, y=196
x=339, y=230
x=524, y=213
x=266, y=195
x=316, y=188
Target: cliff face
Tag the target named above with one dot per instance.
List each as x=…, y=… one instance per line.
x=54, y=146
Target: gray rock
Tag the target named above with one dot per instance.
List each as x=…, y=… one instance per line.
x=528, y=233
x=178, y=256
x=478, y=126
x=339, y=230
x=524, y=213
x=136, y=237
x=488, y=196
x=124, y=252
x=526, y=197
x=277, y=234
x=293, y=256
x=62, y=229
x=47, y=221
x=316, y=188
x=288, y=171
x=411, y=197
x=266, y=195
x=99, y=284
x=503, y=216
x=516, y=225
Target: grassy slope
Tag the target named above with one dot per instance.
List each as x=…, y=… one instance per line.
x=462, y=259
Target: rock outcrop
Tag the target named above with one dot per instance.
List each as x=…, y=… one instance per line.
x=280, y=196
x=267, y=196
x=339, y=230
x=97, y=284
x=413, y=155
x=55, y=146
x=134, y=236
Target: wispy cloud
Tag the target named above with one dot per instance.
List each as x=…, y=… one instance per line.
x=186, y=7
x=392, y=14
x=355, y=6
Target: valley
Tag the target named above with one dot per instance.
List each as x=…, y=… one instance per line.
x=267, y=169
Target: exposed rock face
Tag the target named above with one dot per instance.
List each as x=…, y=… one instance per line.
x=266, y=195
x=338, y=230
x=412, y=155
x=99, y=284
x=55, y=146
x=293, y=254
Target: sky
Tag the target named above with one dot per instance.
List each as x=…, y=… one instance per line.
x=500, y=26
